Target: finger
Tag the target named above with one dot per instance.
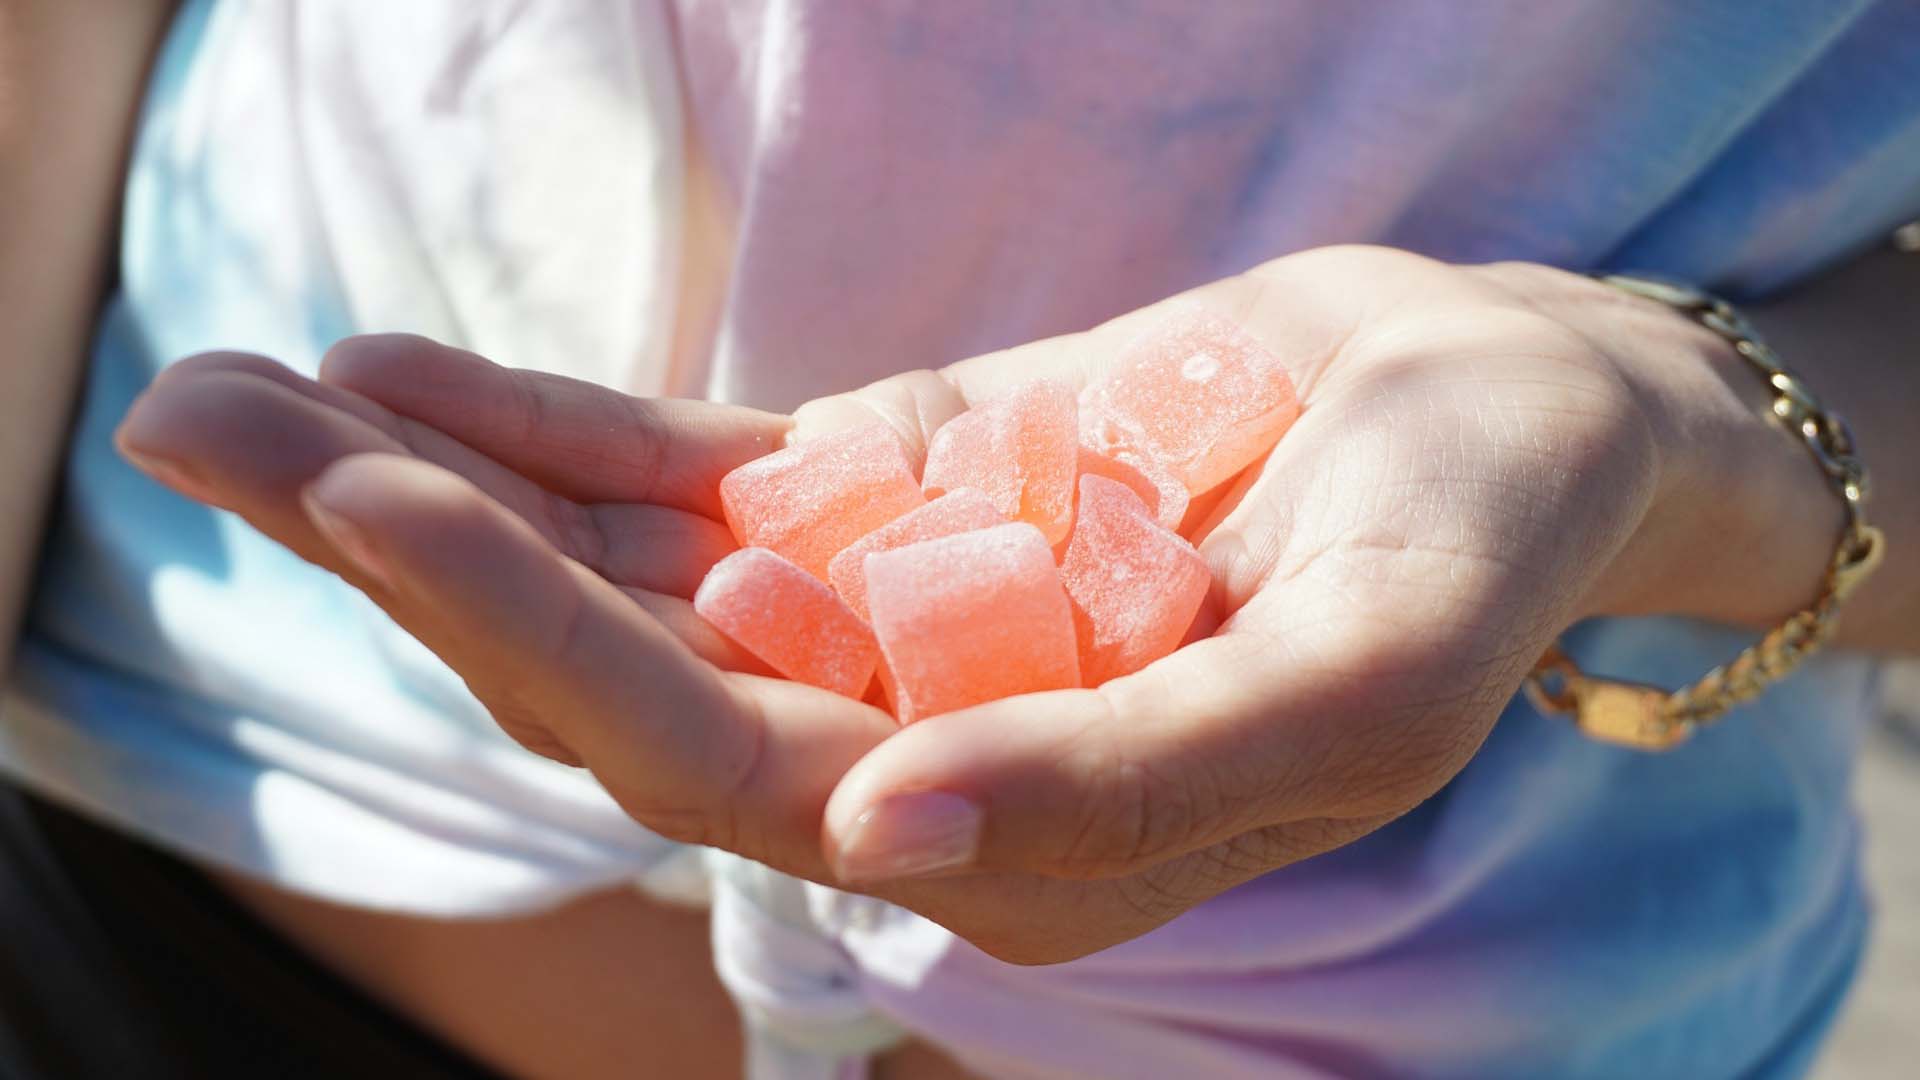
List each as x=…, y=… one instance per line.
x=584, y=441
x=1284, y=304
x=656, y=548
x=914, y=404
x=677, y=615
x=188, y=377
x=735, y=761
x=237, y=419
x=242, y=440
x=1202, y=747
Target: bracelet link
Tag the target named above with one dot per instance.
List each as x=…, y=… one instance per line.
x=1856, y=560
x=1648, y=718
x=1627, y=714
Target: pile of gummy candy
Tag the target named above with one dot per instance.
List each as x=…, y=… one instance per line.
x=1036, y=551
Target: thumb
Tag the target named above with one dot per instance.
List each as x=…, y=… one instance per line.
x=1075, y=783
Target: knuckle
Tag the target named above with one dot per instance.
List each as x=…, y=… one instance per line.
x=685, y=825
x=577, y=531
x=527, y=406
x=572, y=641
x=914, y=404
x=523, y=725
x=718, y=824
x=743, y=760
x=643, y=452
x=720, y=812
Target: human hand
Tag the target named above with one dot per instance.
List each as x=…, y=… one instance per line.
x=1487, y=455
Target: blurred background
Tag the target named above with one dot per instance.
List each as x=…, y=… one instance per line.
x=1879, y=1035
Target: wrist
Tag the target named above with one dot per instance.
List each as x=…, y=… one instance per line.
x=1744, y=523
x=1741, y=524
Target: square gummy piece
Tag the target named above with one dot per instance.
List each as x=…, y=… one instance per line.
x=1198, y=393
x=969, y=618
x=1020, y=450
x=1166, y=497
x=811, y=500
x=1135, y=586
x=787, y=617
x=960, y=510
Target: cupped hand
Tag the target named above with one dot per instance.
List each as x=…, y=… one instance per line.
x=1486, y=455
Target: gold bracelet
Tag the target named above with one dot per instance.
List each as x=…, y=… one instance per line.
x=1649, y=718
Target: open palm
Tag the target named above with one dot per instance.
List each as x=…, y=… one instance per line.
x=1469, y=476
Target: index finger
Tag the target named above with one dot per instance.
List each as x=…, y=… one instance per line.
x=1293, y=306
x=586, y=442
x=1299, y=308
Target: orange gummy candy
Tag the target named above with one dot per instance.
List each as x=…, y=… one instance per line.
x=808, y=501
x=1020, y=450
x=1135, y=586
x=1198, y=393
x=785, y=616
x=1166, y=497
x=960, y=510
x=969, y=618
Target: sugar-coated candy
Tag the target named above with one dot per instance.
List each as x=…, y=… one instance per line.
x=1134, y=585
x=960, y=510
x=1198, y=393
x=1166, y=497
x=789, y=618
x=1020, y=450
x=811, y=500
x=968, y=618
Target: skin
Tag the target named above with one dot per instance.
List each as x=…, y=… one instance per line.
x=70, y=73
x=1488, y=454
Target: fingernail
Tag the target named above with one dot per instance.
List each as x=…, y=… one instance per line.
x=172, y=474
x=347, y=539
x=911, y=835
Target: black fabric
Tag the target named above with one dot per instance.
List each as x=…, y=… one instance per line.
x=119, y=961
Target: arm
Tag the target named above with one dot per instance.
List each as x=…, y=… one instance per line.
x=70, y=78
x=1855, y=334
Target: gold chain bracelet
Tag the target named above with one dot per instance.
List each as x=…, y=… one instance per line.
x=1649, y=718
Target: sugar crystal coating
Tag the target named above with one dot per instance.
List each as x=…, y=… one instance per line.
x=1135, y=586
x=969, y=618
x=1166, y=497
x=1198, y=393
x=1020, y=450
x=811, y=500
x=960, y=510
x=785, y=616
